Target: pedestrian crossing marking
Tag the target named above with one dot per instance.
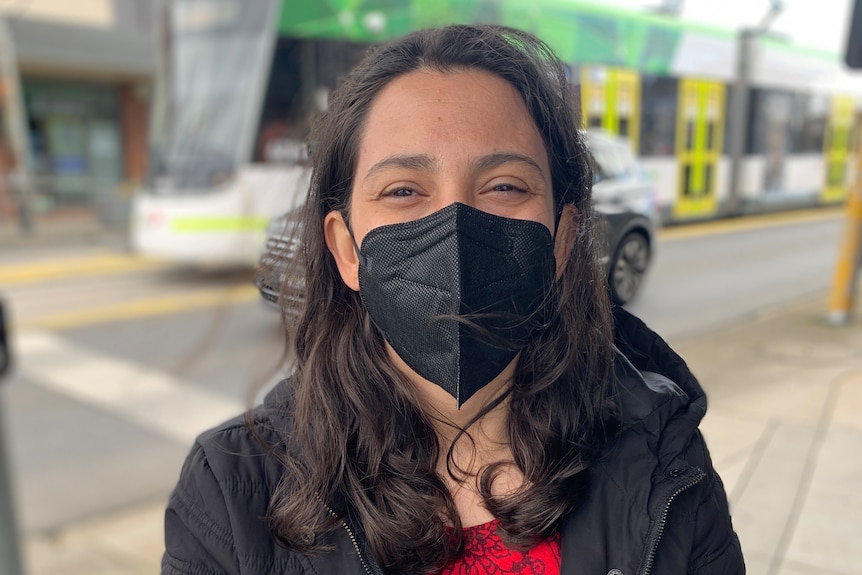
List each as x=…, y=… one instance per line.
x=142, y=308
x=147, y=397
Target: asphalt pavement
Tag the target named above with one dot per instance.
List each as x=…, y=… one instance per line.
x=783, y=425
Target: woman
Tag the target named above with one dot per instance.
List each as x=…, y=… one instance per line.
x=464, y=399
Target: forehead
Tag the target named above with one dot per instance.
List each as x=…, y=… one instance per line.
x=450, y=111
x=432, y=81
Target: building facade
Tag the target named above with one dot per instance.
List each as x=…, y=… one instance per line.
x=84, y=77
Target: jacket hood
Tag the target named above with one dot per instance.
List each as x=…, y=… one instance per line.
x=652, y=380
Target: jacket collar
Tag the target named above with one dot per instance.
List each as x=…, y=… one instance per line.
x=651, y=379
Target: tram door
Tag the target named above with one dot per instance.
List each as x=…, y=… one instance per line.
x=610, y=99
x=699, y=141
x=838, y=147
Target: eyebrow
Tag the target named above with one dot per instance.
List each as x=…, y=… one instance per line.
x=500, y=158
x=419, y=162
x=423, y=162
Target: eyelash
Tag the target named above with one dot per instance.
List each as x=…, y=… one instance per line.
x=395, y=192
x=511, y=187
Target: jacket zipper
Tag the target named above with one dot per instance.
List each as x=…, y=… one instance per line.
x=352, y=538
x=663, y=520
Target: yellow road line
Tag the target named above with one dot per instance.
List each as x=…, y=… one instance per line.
x=772, y=220
x=75, y=267
x=144, y=308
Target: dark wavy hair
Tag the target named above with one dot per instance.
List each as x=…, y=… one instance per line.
x=359, y=439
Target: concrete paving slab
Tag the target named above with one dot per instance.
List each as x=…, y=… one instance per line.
x=733, y=475
x=127, y=543
x=847, y=407
x=799, y=398
x=829, y=529
x=755, y=564
x=732, y=441
x=769, y=489
x=792, y=568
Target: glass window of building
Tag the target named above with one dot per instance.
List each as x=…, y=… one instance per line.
x=75, y=141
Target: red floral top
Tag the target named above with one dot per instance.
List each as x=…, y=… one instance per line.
x=486, y=554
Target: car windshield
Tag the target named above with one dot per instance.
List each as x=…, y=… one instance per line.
x=214, y=60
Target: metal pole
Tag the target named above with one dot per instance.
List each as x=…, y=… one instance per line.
x=10, y=549
x=17, y=132
x=849, y=262
x=10, y=553
x=739, y=119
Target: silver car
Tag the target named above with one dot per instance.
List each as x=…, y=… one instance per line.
x=625, y=200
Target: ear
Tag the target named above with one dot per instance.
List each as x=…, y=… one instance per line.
x=567, y=235
x=341, y=246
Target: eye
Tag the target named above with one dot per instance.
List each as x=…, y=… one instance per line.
x=508, y=189
x=400, y=192
x=505, y=187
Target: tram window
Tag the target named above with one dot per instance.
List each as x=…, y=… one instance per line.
x=301, y=75
x=689, y=135
x=658, y=115
x=710, y=134
x=282, y=101
x=815, y=114
x=798, y=104
x=752, y=138
x=686, y=181
x=623, y=128
x=775, y=127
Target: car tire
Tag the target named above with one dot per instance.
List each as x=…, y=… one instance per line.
x=628, y=267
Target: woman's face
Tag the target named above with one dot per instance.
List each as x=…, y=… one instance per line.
x=432, y=139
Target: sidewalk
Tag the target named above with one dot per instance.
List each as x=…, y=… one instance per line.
x=129, y=542
x=784, y=428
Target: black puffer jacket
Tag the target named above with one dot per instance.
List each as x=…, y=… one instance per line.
x=655, y=504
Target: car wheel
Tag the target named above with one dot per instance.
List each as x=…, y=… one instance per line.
x=628, y=267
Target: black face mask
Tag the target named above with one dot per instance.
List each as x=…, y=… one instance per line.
x=458, y=293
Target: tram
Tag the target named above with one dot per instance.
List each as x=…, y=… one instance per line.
x=239, y=83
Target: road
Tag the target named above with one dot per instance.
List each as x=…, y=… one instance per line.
x=716, y=274
x=121, y=362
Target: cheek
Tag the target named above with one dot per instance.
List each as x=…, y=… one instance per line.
x=549, y=214
x=361, y=219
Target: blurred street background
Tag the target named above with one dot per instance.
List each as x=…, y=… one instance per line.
x=146, y=147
